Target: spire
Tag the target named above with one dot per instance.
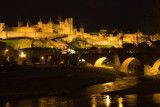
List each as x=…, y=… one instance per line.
x=28, y=23
x=50, y=21
x=20, y=22
x=40, y=20
x=81, y=26
x=66, y=20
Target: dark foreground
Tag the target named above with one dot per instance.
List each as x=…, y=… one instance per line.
x=50, y=81
x=147, y=85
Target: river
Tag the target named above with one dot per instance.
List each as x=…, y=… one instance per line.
x=91, y=97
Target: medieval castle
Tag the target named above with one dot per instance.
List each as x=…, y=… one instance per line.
x=52, y=30
x=41, y=30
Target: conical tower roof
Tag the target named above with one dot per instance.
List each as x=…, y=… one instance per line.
x=40, y=20
x=50, y=20
x=66, y=20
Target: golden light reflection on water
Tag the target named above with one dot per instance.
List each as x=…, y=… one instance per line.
x=101, y=100
x=131, y=99
x=7, y=104
x=120, y=102
x=108, y=101
x=156, y=98
x=94, y=102
x=55, y=102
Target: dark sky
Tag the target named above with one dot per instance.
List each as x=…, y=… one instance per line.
x=128, y=15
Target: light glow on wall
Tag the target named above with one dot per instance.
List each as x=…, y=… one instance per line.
x=82, y=60
x=42, y=57
x=22, y=55
x=156, y=66
x=99, y=62
x=71, y=51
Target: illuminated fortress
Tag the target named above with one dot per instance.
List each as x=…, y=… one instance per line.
x=66, y=29
x=41, y=30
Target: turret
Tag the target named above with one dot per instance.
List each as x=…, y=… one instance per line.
x=50, y=25
x=2, y=26
x=81, y=29
x=20, y=23
x=66, y=21
x=74, y=30
x=40, y=22
x=50, y=21
x=28, y=23
x=70, y=21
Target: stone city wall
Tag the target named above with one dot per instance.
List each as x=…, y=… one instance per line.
x=35, y=35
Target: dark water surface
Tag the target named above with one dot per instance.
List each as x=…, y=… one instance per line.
x=91, y=97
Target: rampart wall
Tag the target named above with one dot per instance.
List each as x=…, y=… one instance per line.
x=35, y=35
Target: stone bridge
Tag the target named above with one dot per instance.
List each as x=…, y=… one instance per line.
x=147, y=64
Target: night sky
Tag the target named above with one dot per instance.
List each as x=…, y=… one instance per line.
x=126, y=15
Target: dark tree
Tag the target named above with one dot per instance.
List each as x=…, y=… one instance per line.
x=156, y=44
x=129, y=47
x=143, y=47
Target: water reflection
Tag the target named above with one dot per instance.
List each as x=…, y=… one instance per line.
x=120, y=102
x=156, y=98
x=91, y=97
x=149, y=100
x=41, y=102
x=100, y=100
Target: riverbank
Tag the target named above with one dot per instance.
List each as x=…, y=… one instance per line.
x=50, y=81
x=147, y=85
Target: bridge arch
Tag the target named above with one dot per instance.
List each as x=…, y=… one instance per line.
x=148, y=70
x=99, y=62
x=126, y=62
x=155, y=68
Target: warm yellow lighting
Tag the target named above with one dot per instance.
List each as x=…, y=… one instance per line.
x=94, y=103
x=98, y=63
x=120, y=100
x=156, y=98
x=71, y=51
x=111, y=39
x=156, y=66
x=120, y=42
x=22, y=55
x=42, y=57
x=82, y=60
x=131, y=99
x=7, y=104
x=6, y=50
x=124, y=66
x=108, y=101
